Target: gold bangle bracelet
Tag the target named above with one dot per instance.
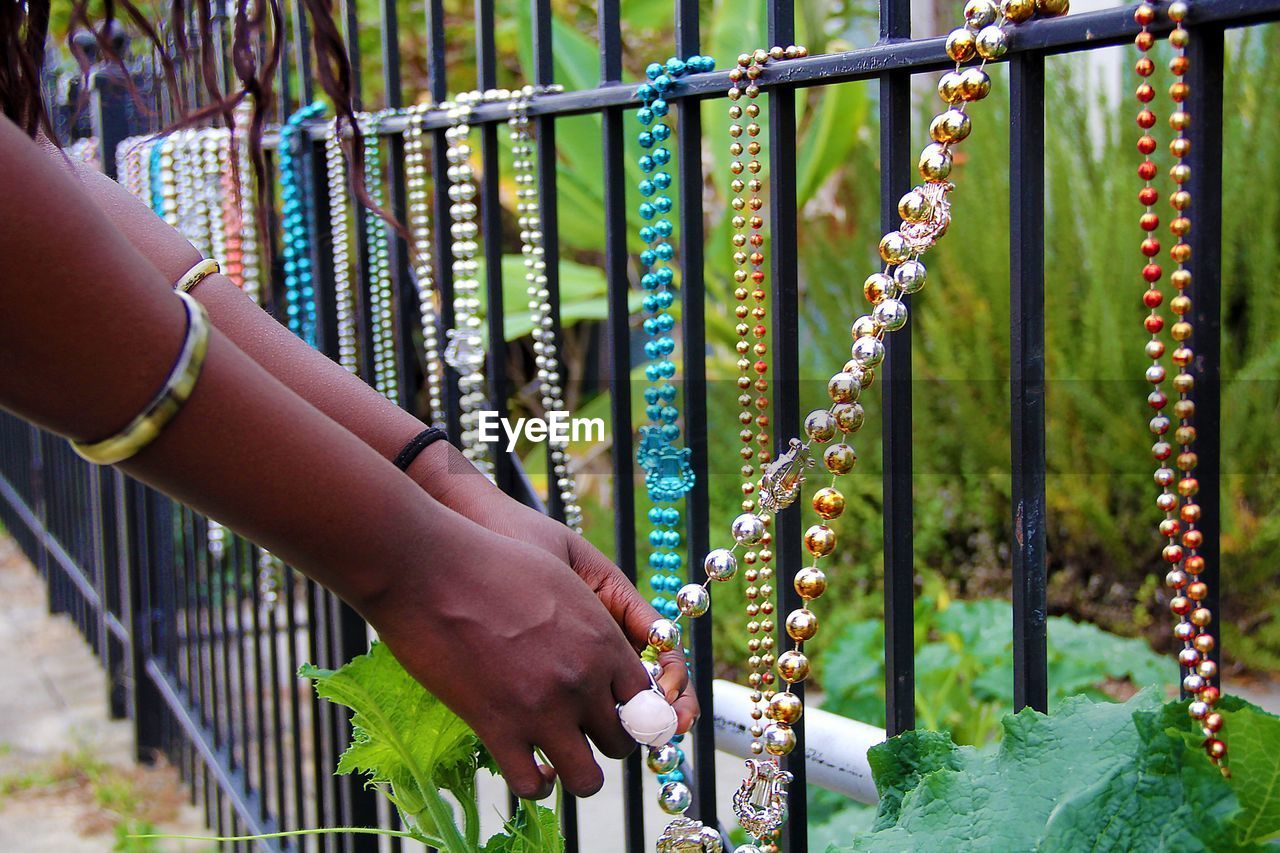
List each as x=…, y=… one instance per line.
x=197, y=274
x=148, y=425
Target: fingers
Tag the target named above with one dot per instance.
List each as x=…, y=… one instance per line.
x=606, y=731
x=627, y=606
x=526, y=779
x=687, y=712
x=675, y=675
x=574, y=763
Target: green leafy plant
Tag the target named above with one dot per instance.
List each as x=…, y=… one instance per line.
x=412, y=748
x=414, y=751
x=1126, y=776
x=964, y=669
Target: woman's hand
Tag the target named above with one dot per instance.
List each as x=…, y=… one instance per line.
x=455, y=483
x=516, y=644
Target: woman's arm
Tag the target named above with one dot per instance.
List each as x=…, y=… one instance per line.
x=385, y=427
x=89, y=331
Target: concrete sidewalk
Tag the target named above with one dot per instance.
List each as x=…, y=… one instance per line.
x=68, y=781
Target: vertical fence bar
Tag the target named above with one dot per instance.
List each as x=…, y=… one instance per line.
x=437, y=57
x=619, y=348
x=1207, y=54
x=1027, y=378
x=895, y=394
x=491, y=228
x=544, y=74
x=549, y=211
x=694, y=331
x=785, y=271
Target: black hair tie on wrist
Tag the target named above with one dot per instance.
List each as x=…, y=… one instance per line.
x=416, y=445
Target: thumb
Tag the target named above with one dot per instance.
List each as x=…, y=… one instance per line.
x=630, y=610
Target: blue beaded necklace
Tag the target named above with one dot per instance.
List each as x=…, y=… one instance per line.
x=668, y=475
x=299, y=282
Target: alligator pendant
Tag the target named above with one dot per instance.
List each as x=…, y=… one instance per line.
x=783, y=477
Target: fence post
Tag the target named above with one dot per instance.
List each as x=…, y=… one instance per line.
x=141, y=544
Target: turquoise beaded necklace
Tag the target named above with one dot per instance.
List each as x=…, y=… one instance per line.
x=668, y=474
x=299, y=281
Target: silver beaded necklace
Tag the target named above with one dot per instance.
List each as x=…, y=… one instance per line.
x=340, y=230
x=545, y=345
x=415, y=163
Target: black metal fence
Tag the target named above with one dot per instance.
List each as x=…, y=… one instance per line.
x=201, y=648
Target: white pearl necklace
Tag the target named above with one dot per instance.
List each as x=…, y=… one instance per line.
x=545, y=345
x=415, y=162
x=381, y=314
x=340, y=230
x=465, y=352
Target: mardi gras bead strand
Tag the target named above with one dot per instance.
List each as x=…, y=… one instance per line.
x=377, y=240
x=250, y=254
x=232, y=225
x=344, y=295
x=668, y=473
x=299, y=281
x=926, y=213
x=545, y=346
x=1183, y=538
x=415, y=162
x=465, y=351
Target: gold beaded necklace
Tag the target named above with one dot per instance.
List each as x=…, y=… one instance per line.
x=1177, y=498
x=760, y=803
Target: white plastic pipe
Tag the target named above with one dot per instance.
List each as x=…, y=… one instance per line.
x=835, y=747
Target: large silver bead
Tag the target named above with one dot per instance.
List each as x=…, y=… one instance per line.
x=891, y=313
x=675, y=798
x=693, y=600
x=720, y=564
x=868, y=351
x=663, y=759
x=747, y=529
x=664, y=635
x=910, y=276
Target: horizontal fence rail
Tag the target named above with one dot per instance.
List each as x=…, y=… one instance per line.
x=201, y=632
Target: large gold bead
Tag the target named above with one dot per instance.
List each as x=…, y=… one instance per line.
x=863, y=327
x=802, y=625
x=849, y=417
x=820, y=425
x=785, y=708
x=980, y=13
x=1053, y=8
x=993, y=42
x=1018, y=11
x=839, y=458
x=949, y=87
x=779, y=739
x=828, y=502
x=975, y=84
x=877, y=285
x=950, y=126
x=811, y=583
x=961, y=44
x=793, y=666
x=844, y=388
x=934, y=165
x=893, y=248
x=913, y=207
x=820, y=540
